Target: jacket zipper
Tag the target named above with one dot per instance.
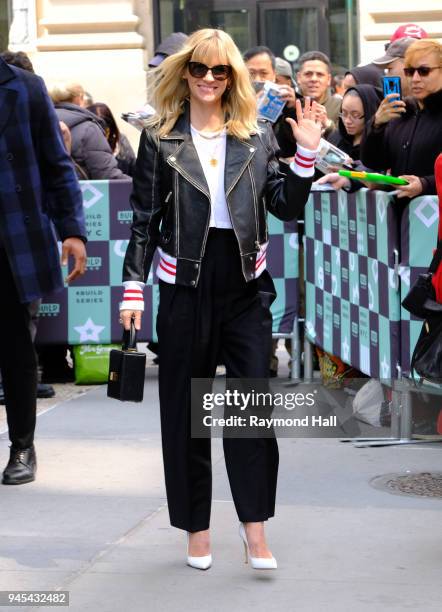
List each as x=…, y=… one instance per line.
x=177, y=217
x=255, y=205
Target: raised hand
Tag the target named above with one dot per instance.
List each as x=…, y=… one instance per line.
x=306, y=129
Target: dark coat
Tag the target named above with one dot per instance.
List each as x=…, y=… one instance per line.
x=90, y=149
x=170, y=191
x=409, y=144
x=37, y=184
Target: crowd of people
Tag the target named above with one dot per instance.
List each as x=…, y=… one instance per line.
x=207, y=172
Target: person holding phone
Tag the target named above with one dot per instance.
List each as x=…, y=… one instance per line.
x=404, y=137
x=359, y=104
x=205, y=177
x=393, y=62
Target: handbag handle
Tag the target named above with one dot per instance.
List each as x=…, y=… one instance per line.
x=130, y=338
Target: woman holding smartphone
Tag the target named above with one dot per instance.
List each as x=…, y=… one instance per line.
x=205, y=176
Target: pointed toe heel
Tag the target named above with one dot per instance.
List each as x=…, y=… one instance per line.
x=201, y=563
x=255, y=562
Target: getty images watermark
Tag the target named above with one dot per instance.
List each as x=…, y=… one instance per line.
x=243, y=408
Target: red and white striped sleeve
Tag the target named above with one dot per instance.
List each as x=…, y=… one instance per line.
x=133, y=296
x=304, y=162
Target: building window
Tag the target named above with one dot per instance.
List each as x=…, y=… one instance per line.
x=5, y=20
x=325, y=25
x=343, y=26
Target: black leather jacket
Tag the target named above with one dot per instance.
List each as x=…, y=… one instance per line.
x=171, y=200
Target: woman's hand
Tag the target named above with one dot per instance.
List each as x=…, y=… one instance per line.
x=307, y=129
x=390, y=108
x=127, y=315
x=335, y=180
x=413, y=189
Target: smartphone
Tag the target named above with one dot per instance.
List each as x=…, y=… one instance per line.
x=392, y=84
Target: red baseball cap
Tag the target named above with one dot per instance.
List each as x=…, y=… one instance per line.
x=409, y=30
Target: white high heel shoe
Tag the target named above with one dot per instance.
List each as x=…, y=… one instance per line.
x=255, y=562
x=201, y=563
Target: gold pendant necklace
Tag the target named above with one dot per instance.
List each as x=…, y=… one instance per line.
x=213, y=161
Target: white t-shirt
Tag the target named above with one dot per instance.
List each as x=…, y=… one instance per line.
x=214, y=147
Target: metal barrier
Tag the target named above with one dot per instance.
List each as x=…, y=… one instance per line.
x=87, y=311
x=354, y=282
x=358, y=268
x=351, y=282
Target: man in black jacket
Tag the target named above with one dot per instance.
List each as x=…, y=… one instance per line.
x=405, y=137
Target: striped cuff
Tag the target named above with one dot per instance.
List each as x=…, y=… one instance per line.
x=304, y=163
x=133, y=296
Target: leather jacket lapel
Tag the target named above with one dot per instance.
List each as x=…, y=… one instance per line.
x=238, y=156
x=185, y=158
x=186, y=161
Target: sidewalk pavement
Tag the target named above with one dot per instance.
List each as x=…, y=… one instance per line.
x=95, y=523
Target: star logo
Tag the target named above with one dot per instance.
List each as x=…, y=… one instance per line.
x=345, y=349
x=89, y=332
x=385, y=368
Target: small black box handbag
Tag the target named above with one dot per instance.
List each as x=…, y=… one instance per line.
x=127, y=370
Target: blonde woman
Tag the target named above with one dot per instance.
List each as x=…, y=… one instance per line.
x=206, y=174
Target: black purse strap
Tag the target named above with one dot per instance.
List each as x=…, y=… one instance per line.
x=130, y=338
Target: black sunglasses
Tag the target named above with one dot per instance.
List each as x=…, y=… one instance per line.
x=199, y=71
x=422, y=71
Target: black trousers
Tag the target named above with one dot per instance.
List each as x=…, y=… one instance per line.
x=18, y=361
x=222, y=318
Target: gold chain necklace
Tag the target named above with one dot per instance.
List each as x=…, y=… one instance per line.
x=213, y=160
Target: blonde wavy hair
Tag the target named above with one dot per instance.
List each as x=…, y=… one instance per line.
x=168, y=90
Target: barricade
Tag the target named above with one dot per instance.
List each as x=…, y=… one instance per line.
x=354, y=277
x=352, y=289
x=418, y=238
x=87, y=311
x=358, y=268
